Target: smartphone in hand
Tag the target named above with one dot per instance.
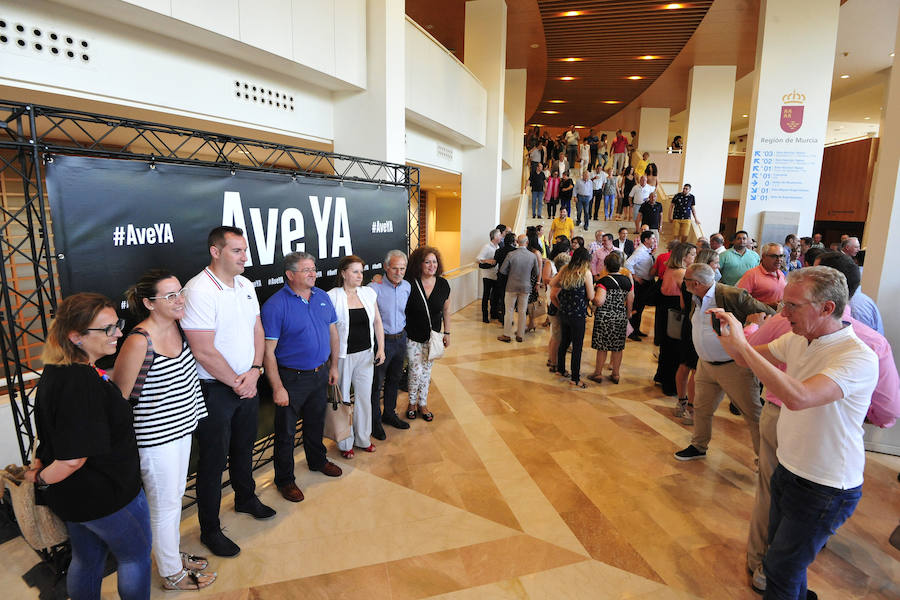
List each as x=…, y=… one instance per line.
x=716, y=325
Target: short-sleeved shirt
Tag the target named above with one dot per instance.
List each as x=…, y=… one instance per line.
x=732, y=265
x=230, y=312
x=824, y=444
x=537, y=181
x=80, y=415
x=417, y=327
x=392, y=301
x=651, y=214
x=766, y=287
x=487, y=253
x=619, y=145
x=682, y=204
x=302, y=327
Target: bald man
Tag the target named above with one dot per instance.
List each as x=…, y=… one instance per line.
x=519, y=266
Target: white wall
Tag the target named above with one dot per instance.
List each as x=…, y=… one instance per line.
x=441, y=93
x=134, y=67
x=424, y=147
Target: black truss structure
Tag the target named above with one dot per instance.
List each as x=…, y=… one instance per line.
x=30, y=134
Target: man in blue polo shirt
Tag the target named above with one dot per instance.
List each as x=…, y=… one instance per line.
x=301, y=362
x=392, y=293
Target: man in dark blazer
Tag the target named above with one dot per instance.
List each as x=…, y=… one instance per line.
x=623, y=243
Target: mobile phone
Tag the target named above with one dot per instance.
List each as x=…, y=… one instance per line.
x=716, y=325
x=377, y=361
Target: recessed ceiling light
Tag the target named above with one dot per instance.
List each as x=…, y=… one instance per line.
x=535, y=125
x=571, y=59
x=550, y=112
x=566, y=78
x=634, y=77
x=649, y=57
x=673, y=6
x=845, y=77
x=572, y=13
x=535, y=45
x=612, y=102
x=867, y=118
x=556, y=101
x=580, y=127
x=437, y=186
x=745, y=116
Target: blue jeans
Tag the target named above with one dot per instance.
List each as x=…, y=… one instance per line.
x=537, y=200
x=608, y=204
x=583, y=208
x=802, y=516
x=125, y=533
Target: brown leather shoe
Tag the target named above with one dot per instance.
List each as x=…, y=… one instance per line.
x=291, y=492
x=504, y=338
x=519, y=339
x=330, y=469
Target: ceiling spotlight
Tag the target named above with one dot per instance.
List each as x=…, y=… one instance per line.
x=673, y=6
x=648, y=57
x=550, y=112
x=845, y=77
x=867, y=118
x=535, y=125
x=634, y=77
x=580, y=127
x=556, y=101
x=535, y=45
x=437, y=186
x=612, y=102
x=566, y=78
x=572, y=13
x=745, y=116
x=571, y=59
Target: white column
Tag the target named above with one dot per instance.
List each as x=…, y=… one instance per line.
x=653, y=130
x=706, y=138
x=372, y=123
x=514, y=112
x=485, y=56
x=789, y=111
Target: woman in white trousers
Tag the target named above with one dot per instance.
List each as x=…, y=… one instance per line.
x=359, y=330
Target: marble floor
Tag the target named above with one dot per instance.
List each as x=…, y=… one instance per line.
x=525, y=488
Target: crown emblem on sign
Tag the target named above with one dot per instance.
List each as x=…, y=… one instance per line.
x=793, y=98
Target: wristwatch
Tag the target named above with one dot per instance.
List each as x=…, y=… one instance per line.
x=39, y=482
x=259, y=367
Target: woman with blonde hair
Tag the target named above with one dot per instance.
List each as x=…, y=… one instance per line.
x=168, y=403
x=359, y=329
x=571, y=290
x=87, y=462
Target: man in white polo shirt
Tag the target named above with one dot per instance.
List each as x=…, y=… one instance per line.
x=826, y=391
x=222, y=325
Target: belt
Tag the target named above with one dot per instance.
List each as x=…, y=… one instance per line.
x=303, y=371
x=719, y=363
x=394, y=336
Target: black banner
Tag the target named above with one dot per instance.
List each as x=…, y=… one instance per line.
x=114, y=219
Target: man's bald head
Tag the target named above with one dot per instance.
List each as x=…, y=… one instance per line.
x=522, y=241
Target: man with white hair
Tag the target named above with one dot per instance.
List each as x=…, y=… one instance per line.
x=519, y=266
x=825, y=393
x=766, y=281
x=850, y=247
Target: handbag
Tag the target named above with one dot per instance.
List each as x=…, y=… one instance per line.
x=436, y=341
x=338, y=416
x=674, y=322
x=40, y=526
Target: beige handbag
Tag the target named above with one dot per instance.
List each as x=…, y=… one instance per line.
x=436, y=341
x=338, y=416
x=40, y=526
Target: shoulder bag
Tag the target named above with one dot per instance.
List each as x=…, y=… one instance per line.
x=338, y=416
x=436, y=340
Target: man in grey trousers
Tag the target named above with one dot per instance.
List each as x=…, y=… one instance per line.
x=519, y=266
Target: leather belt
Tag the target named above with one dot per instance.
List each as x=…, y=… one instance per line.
x=303, y=371
x=719, y=363
x=394, y=336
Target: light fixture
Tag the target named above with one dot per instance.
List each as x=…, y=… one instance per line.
x=634, y=77
x=673, y=6
x=535, y=45
x=550, y=112
x=437, y=186
x=845, y=77
x=566, y=78
x=571, y=59
x=556, y=101
x=649, y=57
x=580, y=127
x=745, y=116
x=572, y=13
x=535, y=125
x=612, y=102
x=867, y=118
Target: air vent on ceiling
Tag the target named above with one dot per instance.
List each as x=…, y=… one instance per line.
x=44, y=41
x=263, y=95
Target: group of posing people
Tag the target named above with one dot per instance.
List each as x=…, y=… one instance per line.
x=112, y=461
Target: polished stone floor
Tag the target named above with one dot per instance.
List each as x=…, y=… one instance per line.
x=525, y=488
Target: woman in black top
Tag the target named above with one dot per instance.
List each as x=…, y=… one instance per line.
x=628, y=182
x=566, y=185
x=424, y=273
x=87, y=462
x=613, y=298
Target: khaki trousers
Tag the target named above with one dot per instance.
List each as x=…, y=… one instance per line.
x=757, y=541
x=711, y=383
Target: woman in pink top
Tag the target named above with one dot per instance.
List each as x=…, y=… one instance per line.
x=551, y=193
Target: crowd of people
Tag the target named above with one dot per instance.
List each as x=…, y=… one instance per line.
x=789, y=319
x=114, y=447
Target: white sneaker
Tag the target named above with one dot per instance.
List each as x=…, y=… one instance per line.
x=680, y=407
x=688, y=418
x=758, y=583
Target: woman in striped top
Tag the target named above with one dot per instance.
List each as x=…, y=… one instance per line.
x=156, y=371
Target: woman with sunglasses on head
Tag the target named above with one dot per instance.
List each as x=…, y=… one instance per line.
x=156, y=371
x=87, y=465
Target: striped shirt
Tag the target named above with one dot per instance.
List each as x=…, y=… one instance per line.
x=171, y=402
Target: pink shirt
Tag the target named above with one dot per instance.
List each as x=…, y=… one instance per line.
x=598, y=256
x=552, y=190
x=766, y=287
x=885, y=407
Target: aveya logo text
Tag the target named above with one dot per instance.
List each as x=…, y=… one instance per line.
x=131, y=235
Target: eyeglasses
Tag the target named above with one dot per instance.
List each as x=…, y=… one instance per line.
x=109, y=330
x=774, y=256
x=305, y=271
x=792, y=307
x=170, y=297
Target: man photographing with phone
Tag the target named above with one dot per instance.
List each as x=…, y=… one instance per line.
x=825, y=393
x=717, y=372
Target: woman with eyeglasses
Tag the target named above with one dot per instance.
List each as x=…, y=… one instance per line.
x=87, y=466
x=156, y=371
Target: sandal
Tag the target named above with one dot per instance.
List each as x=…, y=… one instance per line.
x=371, y=448
x=348, y=454
x=193, y=563
x=187, y=580
x=411, y=413
x=550, y=364
x=614, y=378
x=426, y=415
x=564, y=374
x=578, y=384
x=596, y=378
